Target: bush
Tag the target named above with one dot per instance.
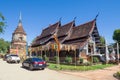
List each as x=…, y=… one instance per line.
x=81, y=60
x=78, y=68
x=46, y=58
x=95, y=60
x=56, y=58
x=87, y=64
x=68, y=59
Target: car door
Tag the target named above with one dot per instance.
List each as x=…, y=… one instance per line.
x=9, y=58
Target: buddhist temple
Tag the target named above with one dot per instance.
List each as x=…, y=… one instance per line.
x=76, y=41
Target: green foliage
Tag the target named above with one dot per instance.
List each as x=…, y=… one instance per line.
x=87, y=64
x=4, y=46
x=102, y=40
x=2, y=23
x=78, y=68
x=68, y=59
x=116, y=35
x=46, y=58
x=55, y=58
x=81, y=60
x=95, y=60
x=2, y=17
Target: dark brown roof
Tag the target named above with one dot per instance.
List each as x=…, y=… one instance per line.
x=46, y=34
x=76, y=40
x=60, y=39
x=80, y=45
x=50, y=30
x=41, y=41
x=63, y=30
x=82, y=30
x=96, y=35
x=77, y=35
x=45, y=39
x=35, y=43
x=19, y=29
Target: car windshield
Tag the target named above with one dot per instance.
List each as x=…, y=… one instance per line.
x=36, y=59
x=14, y=55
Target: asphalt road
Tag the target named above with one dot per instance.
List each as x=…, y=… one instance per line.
x=15, y=72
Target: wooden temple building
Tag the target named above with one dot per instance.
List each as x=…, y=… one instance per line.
x=73, y=41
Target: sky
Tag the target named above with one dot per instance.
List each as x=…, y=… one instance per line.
x=39, y=14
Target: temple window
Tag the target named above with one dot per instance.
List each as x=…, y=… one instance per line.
x=20, y=38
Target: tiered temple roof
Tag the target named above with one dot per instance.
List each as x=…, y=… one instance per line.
x=82, y=30
x=19, y=29
x=64, y=30
x=69, y=33
x=46, y=34
x=50, y=30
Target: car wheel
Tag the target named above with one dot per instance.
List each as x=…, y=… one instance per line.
x=18, y=61
x=7, y=61
x=42, y=68
x=31, y=67
x=23, y=66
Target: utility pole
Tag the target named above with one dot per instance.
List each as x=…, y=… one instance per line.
x=118, y=52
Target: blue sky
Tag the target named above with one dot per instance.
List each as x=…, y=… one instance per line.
x=38, y=14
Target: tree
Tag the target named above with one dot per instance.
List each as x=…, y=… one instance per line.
x=2, y=23
x=116, y=35
x=116, y=38
x=102, y=40
x=102, y=45
x=4, y=46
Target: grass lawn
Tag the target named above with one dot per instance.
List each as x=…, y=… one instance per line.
x=77, y=68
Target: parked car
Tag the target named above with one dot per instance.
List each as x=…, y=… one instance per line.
x=5, y=57
x=34, y=63
x=13, y=58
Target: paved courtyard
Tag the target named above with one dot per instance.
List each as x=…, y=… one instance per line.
x=15, y=72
